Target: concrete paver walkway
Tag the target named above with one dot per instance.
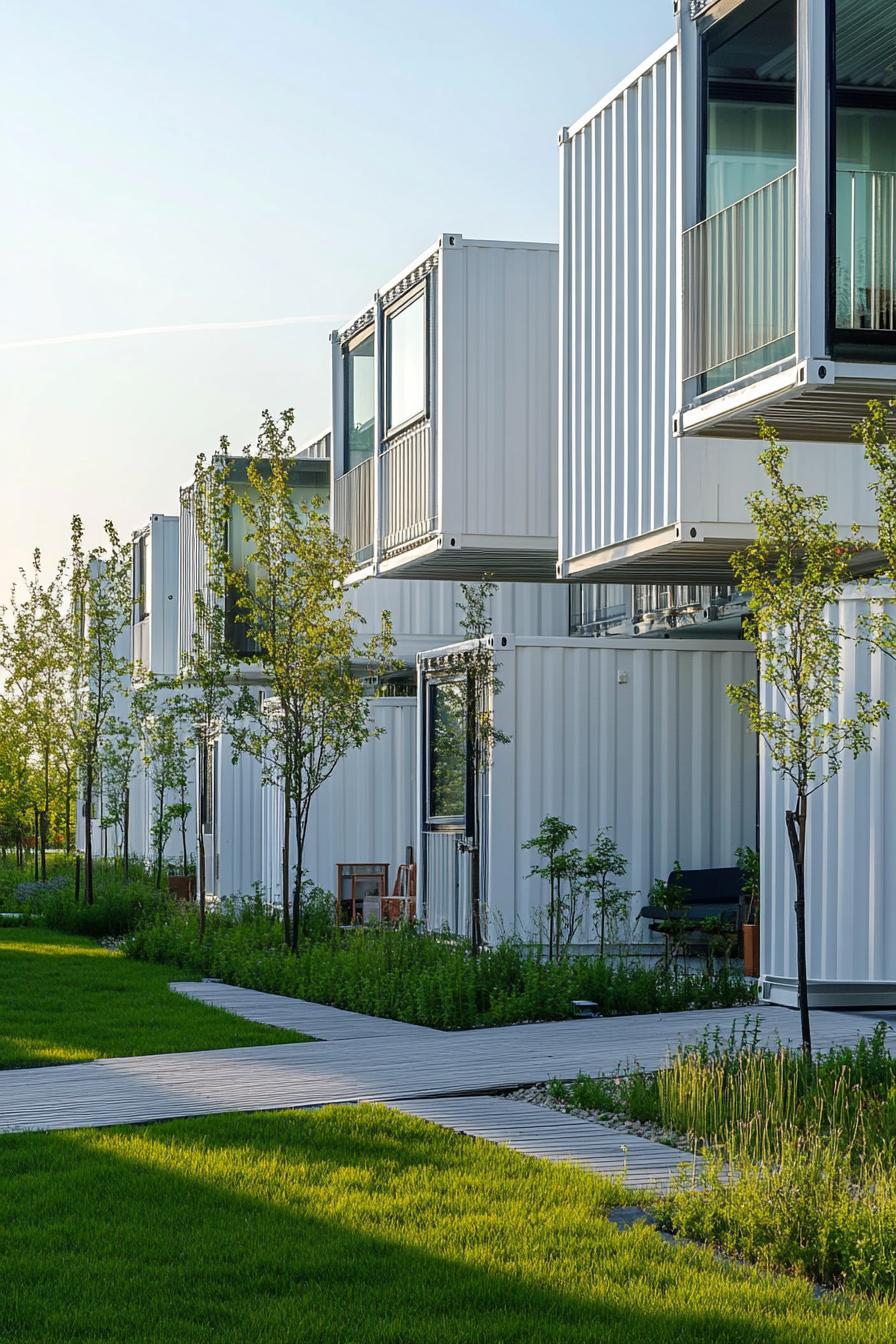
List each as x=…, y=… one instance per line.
x=364, y=1059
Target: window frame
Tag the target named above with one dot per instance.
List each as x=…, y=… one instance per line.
x=419, y=293
x=348, y=349
x=435, y=821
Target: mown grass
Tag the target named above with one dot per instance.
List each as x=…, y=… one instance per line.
x=357, y=1226
x=64, y=999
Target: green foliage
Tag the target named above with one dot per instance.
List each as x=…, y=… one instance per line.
x=748, y=863
x=118, y=906
x=603, y=863
x=812, y=1142
x=413, y=976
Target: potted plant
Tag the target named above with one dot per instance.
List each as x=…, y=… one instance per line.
x=748, y=863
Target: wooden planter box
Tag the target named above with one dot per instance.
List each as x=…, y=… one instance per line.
x=181, y=888
x=751, y=950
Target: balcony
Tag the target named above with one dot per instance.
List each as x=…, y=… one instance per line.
x=353, y=509
x=739, y=286
x=408, y=489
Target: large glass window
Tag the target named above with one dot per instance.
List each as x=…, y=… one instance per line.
x=406, y=362
x=750, y=143
x=865, y=169
x=447, y=773
x=750, y=101
x=360, y=381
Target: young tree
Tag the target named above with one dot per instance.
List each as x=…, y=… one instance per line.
x=165, y=757
x=561, y=869
x=100, y=610
x=603, y=863
x=483, y=685
x=33, y=663
x=793, y=573
x=119, y=752
x=214, y=699
x=291, y=599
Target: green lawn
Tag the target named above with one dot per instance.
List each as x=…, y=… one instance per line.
x=64, y=999
x=358, y=1225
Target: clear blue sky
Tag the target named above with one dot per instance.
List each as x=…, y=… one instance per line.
x=212, y=161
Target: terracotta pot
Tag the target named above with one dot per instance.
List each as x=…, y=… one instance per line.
x=751, y=949
x=181, y=888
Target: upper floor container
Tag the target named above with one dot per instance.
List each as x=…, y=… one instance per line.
x=154, y=588
x=725, y=248
x=444, y=416
x=788, y=205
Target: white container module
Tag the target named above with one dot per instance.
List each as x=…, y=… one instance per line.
x=634, y=735
x=365, y=813
x=851, y=859
x=154, y=587
x=231, y=811
x=445, y=416
x=693, y=290
x=426, y=614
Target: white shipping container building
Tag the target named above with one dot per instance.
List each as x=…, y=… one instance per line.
x=691, y=302
x=634, y=735
x=445, y=416
x=851, y=860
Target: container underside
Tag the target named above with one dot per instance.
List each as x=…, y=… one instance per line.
x=782, y=990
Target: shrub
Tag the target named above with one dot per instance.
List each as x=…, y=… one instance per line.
x=118, y=906
x=405, y=973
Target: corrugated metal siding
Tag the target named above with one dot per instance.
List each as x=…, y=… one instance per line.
x=164, y=610
x=366, y=811
x=851, y=861
x=192, y=573
x=318, y=449
x=509, y=367
x=238, y=823
x=660, y=757
x=425, y=614
x=447, y=884
x=619, y=286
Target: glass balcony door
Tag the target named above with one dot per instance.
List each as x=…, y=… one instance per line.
x=864, y=133
x=739, y=262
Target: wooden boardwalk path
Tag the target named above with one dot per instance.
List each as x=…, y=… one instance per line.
x=364, y=1059
x=541, y=1132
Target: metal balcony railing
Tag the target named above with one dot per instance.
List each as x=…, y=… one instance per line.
x=739, y=270
x=353, y=509
x=141, y=643
x=865, y=279
x=408, y=488
x=595, y=608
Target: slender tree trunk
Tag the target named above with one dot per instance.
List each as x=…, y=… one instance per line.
x=126, y=831
x=45, y=816
x=44, y=829
x=475, y=866
x=297, y=882
x=88, y=829
x=183, y=834
x=796, y=833
x=200, y=875
x=77, y=876
x=284, y=863
x=68, y=810
x=36, y=843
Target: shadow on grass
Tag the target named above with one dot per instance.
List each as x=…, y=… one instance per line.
x=354, y=1224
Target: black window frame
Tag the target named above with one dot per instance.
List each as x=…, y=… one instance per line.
x=348, y=349
x=457, y=823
